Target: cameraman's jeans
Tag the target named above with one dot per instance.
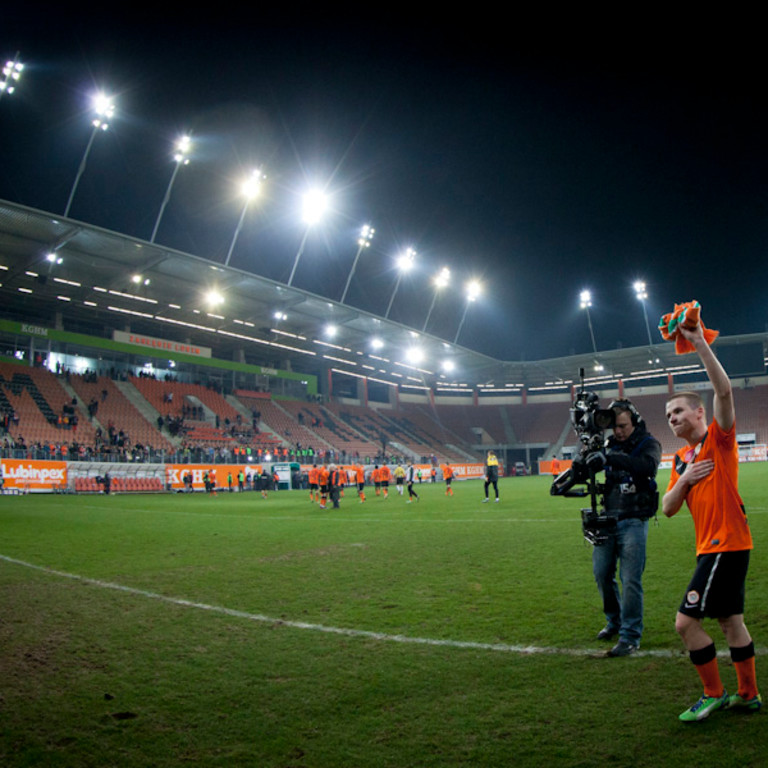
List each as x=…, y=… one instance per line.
x=627, y=546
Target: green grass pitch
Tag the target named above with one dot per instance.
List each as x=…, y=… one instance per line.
x=237, y=631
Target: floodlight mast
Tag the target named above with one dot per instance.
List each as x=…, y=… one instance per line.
x=250, y=189
x=11, y=75
x=440, y=280
x=181, y=157
x=473, y=290
x=404, y=264
x=585, y=302
x=363, y=242
x=314, y=205
x=104, y=108
x=642, y=294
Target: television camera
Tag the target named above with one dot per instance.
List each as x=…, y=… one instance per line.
x=589, y=422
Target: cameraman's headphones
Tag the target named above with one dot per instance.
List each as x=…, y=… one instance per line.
x=626, y=405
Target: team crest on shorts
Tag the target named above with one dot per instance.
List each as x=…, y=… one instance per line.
x=692, y=598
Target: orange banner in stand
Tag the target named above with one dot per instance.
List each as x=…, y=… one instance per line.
x=174, y=474
x=34, y=475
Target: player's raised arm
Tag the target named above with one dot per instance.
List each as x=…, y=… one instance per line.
x=723, y=407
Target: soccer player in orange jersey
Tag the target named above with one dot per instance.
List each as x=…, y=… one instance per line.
x=448, y=477
x=705, y=477
x=360, y=476
x=313, y=486
x=212, y=475
x=322, y=478
x=385, y=478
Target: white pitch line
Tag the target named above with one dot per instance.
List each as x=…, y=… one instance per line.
x=525, y=650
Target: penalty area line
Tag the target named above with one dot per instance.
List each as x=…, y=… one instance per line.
x=523, y=650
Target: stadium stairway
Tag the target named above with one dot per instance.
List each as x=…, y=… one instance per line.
x=144, y=407
x=81, y=406
x=567, y=433
x=264, y=428
x=509, y=432
x=461, y=452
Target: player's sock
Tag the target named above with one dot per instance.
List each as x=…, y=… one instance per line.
x=705, y=661
x=744, y=662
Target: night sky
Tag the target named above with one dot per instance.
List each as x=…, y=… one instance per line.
x=539, y=159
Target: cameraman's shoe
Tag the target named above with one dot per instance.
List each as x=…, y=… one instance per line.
x=622, y=648
x=704, y=707
x=607, y=633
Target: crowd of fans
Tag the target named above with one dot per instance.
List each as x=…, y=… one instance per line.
x=239, y=440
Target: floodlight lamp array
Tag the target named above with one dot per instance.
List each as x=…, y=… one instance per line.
x=11, y=75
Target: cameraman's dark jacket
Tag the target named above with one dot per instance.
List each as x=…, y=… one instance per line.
x=630, y=485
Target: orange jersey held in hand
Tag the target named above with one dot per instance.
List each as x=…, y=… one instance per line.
x=687, y=315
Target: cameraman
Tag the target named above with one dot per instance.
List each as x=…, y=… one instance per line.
x=631, y=458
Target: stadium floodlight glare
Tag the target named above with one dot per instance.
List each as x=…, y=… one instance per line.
x=11, y=75
x=585, y=302
x=140, y=280
x=250, y=188
x=440, y=280
x=330, y=330
x=641, y=294
x=473, y=289
x=213, y=298
x=54, y=258
x=377, y=344
x=415, y=356
x=183, y=148
x=363, y=242
x=278, y=315
x=104, y=108
x=448, y=366
x=404, y=264
x=314, y=205
x=180, y=157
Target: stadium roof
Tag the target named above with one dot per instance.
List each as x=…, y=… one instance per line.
x=93, y=288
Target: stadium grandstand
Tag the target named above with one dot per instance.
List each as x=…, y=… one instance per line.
x=117, y=351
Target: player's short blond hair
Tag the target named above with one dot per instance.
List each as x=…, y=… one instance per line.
x=693, y=399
